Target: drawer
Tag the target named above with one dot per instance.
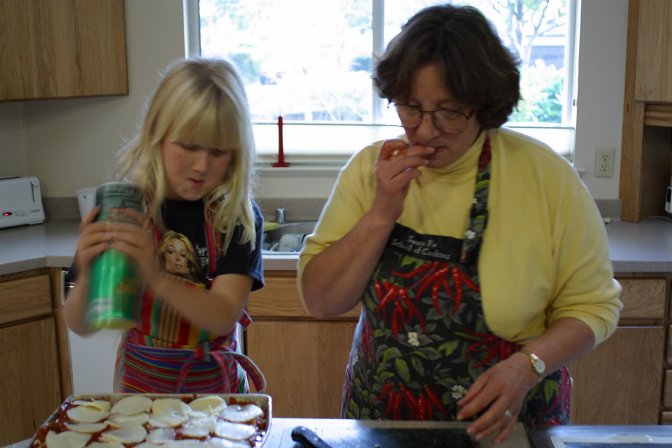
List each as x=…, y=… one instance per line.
x=279, y=299
x=25, y=298
x=643, y=298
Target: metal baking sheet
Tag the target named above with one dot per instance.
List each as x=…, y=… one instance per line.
x=261, y=400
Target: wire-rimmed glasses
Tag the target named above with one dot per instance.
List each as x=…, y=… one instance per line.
x=449, y=121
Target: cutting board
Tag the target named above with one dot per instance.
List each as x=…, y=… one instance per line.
x=387, y=434
x=394, y=438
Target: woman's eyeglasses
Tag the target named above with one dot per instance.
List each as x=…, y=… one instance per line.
x=446, y=120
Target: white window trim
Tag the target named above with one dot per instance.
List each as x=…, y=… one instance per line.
x=299, y=151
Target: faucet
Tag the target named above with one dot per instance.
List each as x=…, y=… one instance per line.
x=280, y=215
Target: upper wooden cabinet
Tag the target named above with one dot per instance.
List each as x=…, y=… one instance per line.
x=646, y=158
x=62, y=48
x=654, y=57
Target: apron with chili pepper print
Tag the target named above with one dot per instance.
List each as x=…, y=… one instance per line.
x=422, y=338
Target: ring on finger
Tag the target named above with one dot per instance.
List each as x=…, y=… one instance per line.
x=508, y=414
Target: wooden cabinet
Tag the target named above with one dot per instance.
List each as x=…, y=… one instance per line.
x=34, y=359
x=303, y=359
x=621, y=381
x=653, y=73
x=62, y=48
x=646, y=158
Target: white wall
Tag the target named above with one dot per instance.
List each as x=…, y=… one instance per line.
x=13, y=155
x=599, y=118
x=70, y=144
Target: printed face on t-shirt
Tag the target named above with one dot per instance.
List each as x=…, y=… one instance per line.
x=176, y=258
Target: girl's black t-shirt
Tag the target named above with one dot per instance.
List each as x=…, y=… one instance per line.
x=183, y=247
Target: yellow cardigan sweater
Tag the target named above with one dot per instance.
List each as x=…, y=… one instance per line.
x=545, y=253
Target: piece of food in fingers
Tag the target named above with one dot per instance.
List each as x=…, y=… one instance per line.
x=398, y=147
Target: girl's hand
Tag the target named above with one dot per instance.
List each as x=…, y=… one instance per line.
x=396, y=167
x=136, y=240
x=498, y=394
x=94, y=239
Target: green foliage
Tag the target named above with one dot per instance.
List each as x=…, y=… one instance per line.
x=541, y=87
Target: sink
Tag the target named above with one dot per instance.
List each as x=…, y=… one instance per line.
x=288, y=238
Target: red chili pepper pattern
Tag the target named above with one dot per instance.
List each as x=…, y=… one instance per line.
x=403, y=404
x=423, y=319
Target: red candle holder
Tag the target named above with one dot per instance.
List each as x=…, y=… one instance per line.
x=281, y=150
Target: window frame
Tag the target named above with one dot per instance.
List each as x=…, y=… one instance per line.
x=316, y=151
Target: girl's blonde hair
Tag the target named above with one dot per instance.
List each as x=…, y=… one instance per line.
x=198, y=102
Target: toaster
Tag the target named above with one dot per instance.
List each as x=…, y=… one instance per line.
x=20, y=201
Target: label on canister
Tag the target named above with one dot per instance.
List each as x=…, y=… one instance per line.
x=114, y=300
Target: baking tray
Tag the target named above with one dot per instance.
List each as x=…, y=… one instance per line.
x=261, y=400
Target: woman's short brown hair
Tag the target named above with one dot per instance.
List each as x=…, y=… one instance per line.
x=477, y=68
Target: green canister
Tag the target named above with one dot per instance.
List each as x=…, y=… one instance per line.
x=113, y=300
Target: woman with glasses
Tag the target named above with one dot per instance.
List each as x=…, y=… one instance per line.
x=479, y=258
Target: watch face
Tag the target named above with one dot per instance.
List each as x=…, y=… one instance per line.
x=538, y=364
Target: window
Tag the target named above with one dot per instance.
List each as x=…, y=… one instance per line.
x=314, y=67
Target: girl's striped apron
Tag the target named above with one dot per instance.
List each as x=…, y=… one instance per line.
x=187, y=359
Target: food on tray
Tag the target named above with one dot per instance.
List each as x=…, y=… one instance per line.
x=157, y=421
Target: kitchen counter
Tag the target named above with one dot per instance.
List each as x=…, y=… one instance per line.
x=343, y=433
x=53, y=245
x=635, y=247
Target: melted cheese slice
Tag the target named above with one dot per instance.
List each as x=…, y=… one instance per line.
x=120, y=420
x=216, y=442
x=134, y=404
x=127, y=434
x=239, y=414
x=167, y=420
x=169, y=412
x=234, y=431
x=105, y=445
x=67, y=439
x=170, y=406
x=86, y=428
x=87, y=414
x=199, y=427
x=102, y=405
x=210, y=405
x=161, y=435
x=186, y=444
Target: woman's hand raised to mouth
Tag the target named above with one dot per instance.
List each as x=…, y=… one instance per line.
x=396, y=167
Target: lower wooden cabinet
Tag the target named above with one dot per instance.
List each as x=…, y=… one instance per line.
x=303, y=359
x=621, y=381
x=34, y=358
x=304, y=364
x=29, y=379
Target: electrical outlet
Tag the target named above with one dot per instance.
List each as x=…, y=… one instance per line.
x=604, y=161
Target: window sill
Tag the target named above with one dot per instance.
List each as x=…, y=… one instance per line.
x=297, y=170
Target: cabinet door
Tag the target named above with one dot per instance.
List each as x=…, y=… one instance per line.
x=654, y=60
x=619, y=383
x=304, y=364
x=29, y=379
x=62, y=48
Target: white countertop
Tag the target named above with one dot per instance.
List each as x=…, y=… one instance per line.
x=635, y=247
